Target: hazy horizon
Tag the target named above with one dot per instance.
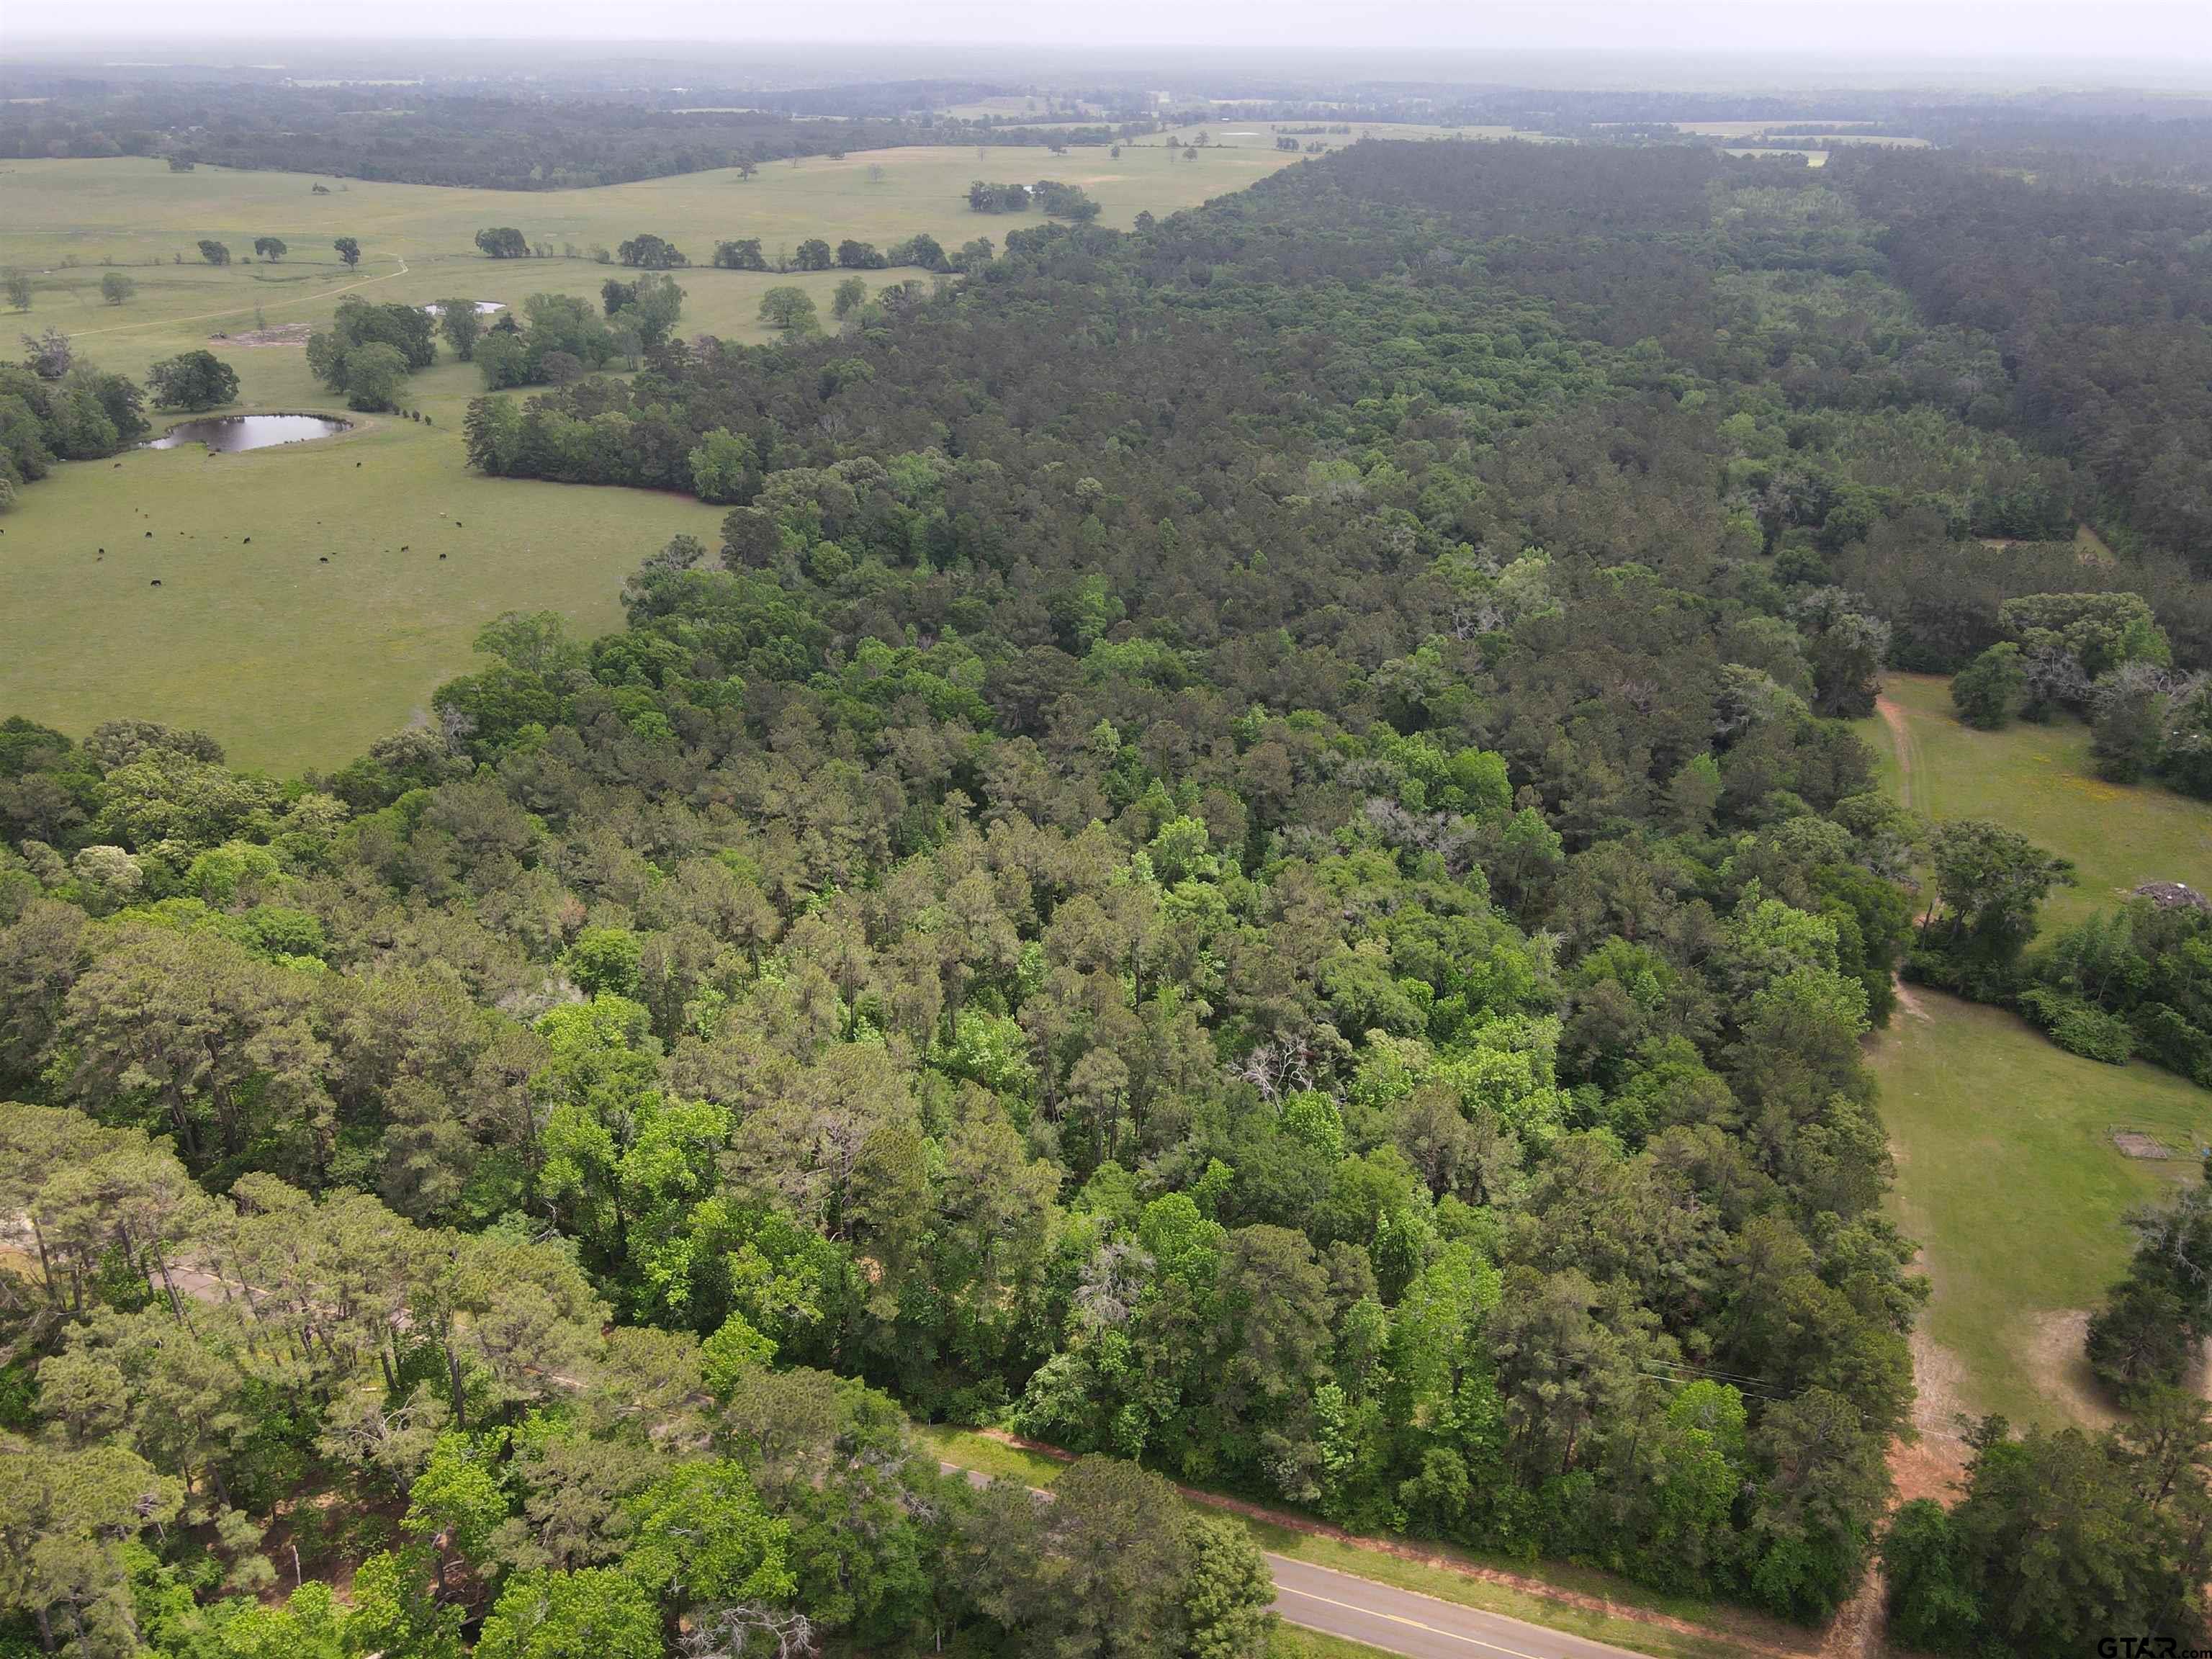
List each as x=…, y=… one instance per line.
x=2062, y=40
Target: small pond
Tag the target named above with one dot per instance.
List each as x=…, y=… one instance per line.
x=226, y=434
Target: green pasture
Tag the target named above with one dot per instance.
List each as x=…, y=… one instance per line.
x=1797, y=130
x=293, y=662
x=1238, y=138
x=2007, y=1172
x=2007, y=1175
x=137, y=212
x=2038, y=780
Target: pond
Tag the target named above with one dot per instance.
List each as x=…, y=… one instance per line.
x=226, y=434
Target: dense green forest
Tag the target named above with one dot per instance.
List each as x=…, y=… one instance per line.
x=486, y=141
x=523, y=139
x=1242, y=859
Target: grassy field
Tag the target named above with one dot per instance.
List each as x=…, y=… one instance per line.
x=1813, y=158
x=291, y=661
x=2007, y=1172
x=2036, y=780
x=1434, y=1576
x=2007, y=1175
x=418, y=240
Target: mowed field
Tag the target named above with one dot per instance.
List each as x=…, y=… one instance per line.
x=2008, y=1176
x=2038, y=780
x=337, y=620
x=291, y=661
x=2007, y=1172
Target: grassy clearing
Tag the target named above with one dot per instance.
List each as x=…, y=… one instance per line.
x=136, y=211
x=1028, y=110
x=1797, y=129
x=2007, y=1175
x=1436, y=1577
x=292, y=662
x=987, y=1457
x=289, y=660
x=2038, y=780
x=2005, y=1170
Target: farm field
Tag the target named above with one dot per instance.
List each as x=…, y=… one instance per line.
x=2007, y=1175
x=1020, y=106
x=418, y=240
x=2038, y=780
x=290, y=662
x=137, y=210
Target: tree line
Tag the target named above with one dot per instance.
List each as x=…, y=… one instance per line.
x=1242, y=858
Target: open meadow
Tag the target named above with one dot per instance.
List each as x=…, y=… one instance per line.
x=418, y=240
x=2038, y=780
x=2007, y=1171
x=2008, y=1176
x=322, y=634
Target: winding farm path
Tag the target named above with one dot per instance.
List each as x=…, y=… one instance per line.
x=232, y=311
x=1906, y=742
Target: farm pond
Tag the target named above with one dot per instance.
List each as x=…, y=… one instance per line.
x=226, y=434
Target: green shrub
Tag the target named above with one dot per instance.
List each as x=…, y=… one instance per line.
x=2079, y=1027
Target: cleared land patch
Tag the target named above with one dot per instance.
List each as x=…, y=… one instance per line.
x=2038, y=780
x=2017, y=1163
x=2008, y=1174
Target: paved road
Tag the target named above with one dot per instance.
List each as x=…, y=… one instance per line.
x=1396, y=1621
x=1419, y=1626
x=1319, y=1598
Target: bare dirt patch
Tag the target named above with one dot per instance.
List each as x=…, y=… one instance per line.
x=1907, y=744
x=2133, y=1143
x=1933, y=1464
x=1909, y=1003
x=1857, y=1630
x=1938, y=1380
x=277, y=334
x=2060, y=1368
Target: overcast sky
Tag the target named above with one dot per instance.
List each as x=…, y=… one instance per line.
x=2053, y=32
